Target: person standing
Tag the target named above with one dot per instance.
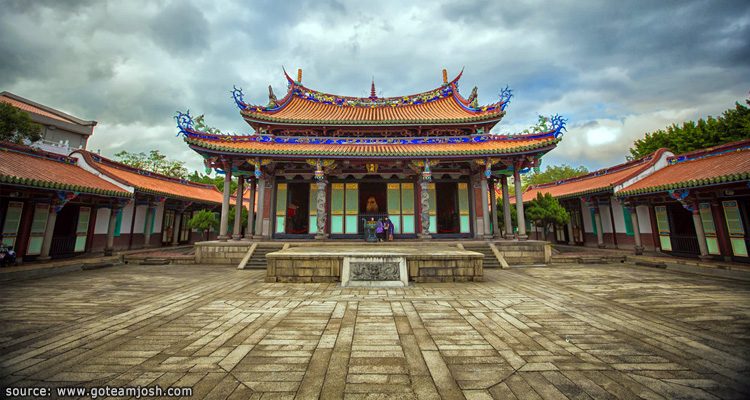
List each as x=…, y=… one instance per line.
x=387, y=229
x=379, y=231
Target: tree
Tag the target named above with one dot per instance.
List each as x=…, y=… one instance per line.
x=243, y=217
x=732, y=125
x=16, y=125
x=154, y=162
x=545, y=211
x=204, y=220
x=501, y=214
x=217, y=181
x=553, y=173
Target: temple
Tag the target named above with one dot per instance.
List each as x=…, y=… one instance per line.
x=319, y=165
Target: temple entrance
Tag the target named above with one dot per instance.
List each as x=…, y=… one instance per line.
x=683, y=236
x=297, y=209
x=452, y=209
x=372, y=202
x=292, y=208
x=447, y=208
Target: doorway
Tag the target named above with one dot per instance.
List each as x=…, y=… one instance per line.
x=297, y=209
x=448, y=219
x=682, y=231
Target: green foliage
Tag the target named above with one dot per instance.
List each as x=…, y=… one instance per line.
x=154, y=162
x=217, y=181
x=501, y=214
x=542, y=125
x=243, y=217
x=16, y=125
x=204, y=220
x=732, y=125
x=553, y=173
x=545, y=211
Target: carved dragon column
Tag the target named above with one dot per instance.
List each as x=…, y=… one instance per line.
x=261, y=200
x=320, y=201
x=424, y=214
x=251, y=210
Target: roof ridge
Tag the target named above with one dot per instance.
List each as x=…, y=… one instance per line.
x=49, y=109
x=648, y=160
x=128, y=168
x=713, y=151
x=36, y=152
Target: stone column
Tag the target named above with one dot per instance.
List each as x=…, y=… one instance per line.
x=571, y=239
x=520, y=218
x=699, y=231
x=496, y=232
x=320, y=209
x=224, y=224
x=507, y=218
x=598, y=224
x=147, y=230
x=259, y=217
x=636, y=230
x=485, y=208
x=250, y=211
x=176, y=228
x=237, y=231
x=424, y=214
x=109, y=248
x=47, y=242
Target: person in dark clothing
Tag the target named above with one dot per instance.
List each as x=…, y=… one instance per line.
x=387, y=229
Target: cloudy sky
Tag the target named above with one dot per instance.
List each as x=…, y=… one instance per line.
x=615, y=69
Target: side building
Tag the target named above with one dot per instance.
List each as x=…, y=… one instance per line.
x=695, y=204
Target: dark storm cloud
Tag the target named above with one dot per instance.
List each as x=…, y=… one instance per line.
x=615, y=69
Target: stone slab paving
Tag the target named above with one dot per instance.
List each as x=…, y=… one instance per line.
x=569, y=331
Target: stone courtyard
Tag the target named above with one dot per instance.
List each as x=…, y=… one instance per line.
x=570, y=331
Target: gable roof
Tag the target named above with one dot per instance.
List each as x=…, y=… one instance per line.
x=712, y=166
x=44, y=114
x=150, y=182
x=603, y=180
x=31, y=167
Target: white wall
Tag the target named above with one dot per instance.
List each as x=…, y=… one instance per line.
x=102, y=221
x=140, y=219
x=619, y=216
x=127, y=217
x=644, y=221
x=588, y=224
x=606, y=219
x=159, y=217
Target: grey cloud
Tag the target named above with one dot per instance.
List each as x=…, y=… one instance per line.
x=131, y=65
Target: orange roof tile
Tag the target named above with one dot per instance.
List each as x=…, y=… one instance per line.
x=303, y=105
x=712, y=166
x=597, y=181
x=26, y=166
x=151, y=182
x=491, y=146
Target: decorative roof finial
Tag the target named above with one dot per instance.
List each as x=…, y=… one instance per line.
x=299, y=75
x=372, y=89
x=445, y=76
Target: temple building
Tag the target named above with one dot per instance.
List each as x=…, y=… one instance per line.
x=695, y=204
x=59, y=200
x=319, y=165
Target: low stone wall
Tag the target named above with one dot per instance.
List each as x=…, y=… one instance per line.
x=433, y=264
x=221, y=253
x=526, y=252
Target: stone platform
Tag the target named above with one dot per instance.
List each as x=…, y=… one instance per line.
x=324, y=262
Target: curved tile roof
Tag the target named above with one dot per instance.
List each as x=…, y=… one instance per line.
x=721, y=164
x=153, y=183
x=396, y=149
x=26, y=166
x=598, y=181
x=302, y=105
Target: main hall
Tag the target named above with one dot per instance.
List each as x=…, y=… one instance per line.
x=318, y=165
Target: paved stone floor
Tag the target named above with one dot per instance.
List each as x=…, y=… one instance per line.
x=593, y=331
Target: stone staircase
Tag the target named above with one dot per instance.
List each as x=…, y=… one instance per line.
x=258, y=259
x=490, y=261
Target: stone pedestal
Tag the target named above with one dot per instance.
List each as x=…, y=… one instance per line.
x=374, y=272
